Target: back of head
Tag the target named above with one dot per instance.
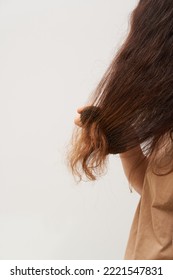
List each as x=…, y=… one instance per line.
x=134, y=96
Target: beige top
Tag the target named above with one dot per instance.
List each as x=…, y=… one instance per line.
x=151, y=233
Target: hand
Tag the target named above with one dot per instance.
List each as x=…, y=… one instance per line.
x=77, y=120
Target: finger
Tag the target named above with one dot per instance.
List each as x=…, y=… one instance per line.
x=77, y=121
x=80, y=109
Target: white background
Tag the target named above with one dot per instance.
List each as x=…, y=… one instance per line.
x=52, y=55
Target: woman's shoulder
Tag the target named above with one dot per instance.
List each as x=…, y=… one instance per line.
x=161, y=160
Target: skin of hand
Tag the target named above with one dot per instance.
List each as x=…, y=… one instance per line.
x=77, y=119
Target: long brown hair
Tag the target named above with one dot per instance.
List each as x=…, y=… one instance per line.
x=134, y=96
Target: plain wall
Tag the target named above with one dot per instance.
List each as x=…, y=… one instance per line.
x=52, y=55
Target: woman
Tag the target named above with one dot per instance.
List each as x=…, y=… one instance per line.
x=133, y=105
